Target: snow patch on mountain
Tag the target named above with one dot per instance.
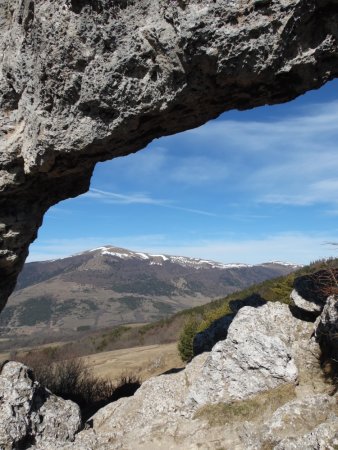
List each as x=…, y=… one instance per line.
x=155, y=259
x=196, y=263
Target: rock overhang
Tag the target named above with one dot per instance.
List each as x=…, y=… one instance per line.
x=82, y=82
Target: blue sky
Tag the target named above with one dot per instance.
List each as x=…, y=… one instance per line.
x=250, y=186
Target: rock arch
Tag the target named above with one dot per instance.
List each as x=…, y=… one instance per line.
x=86, y=81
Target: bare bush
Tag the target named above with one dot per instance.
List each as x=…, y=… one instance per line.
x=69, y=377
x=326, y=281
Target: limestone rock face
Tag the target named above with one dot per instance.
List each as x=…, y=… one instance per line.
x=326, y=329
x=30, y=414
x=266, y=348
x=260, y=352
x=82, y=82
x=257, y=355
x=308, y=423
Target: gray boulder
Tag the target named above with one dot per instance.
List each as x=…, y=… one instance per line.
x=218, y=330
x=266, y=348
x=323, y=437
x=257, y=355
x=299, y=417
x=30, y=414
x=326, y=330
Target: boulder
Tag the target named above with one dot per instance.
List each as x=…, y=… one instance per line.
x=31, y=414
x=323, y=437
x=311, y=291
x=266, y=353
x=257, y=355
x=326, y=332
x=298, y=418
x=305, y=305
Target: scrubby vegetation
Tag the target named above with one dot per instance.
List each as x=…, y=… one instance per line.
x=35, y=310
x=110, y=337
x=69, y=377
x=185, y=343
x=266, y=403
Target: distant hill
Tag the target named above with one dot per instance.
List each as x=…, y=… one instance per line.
x=109, y=286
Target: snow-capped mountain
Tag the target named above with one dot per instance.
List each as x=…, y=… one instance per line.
x=184, y=261
x=110, y=285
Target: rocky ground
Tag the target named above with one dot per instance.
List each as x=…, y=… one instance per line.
x=261, y=388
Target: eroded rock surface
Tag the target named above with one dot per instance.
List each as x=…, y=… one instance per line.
x=309, y=423
x=326, y=331
x=257, y=355
x=30, y=414
x=82, y=82
x=266, y=349
x=234, y=397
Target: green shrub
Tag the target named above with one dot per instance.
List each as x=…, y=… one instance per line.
x=111, y=337
x=196, y=324
x=185, y=343
x=211, y=316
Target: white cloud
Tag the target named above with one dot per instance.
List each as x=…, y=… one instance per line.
x=288, y=161
x=274, y=161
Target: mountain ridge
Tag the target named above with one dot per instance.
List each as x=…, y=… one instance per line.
x=108, y=286
x=126, y=253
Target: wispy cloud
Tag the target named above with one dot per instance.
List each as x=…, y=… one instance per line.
x=126, y=199
x=199, y=170
x=140, y=198
x=290, y=161
x=275, y=160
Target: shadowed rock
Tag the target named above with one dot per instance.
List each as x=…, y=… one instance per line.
x=218, y=330
x=86, y=81
x=310, y=293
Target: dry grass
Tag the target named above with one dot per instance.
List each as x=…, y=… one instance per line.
x=144, y=362
x=266, y=403
x=69, y=377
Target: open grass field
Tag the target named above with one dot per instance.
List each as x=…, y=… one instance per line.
x=143, y=362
